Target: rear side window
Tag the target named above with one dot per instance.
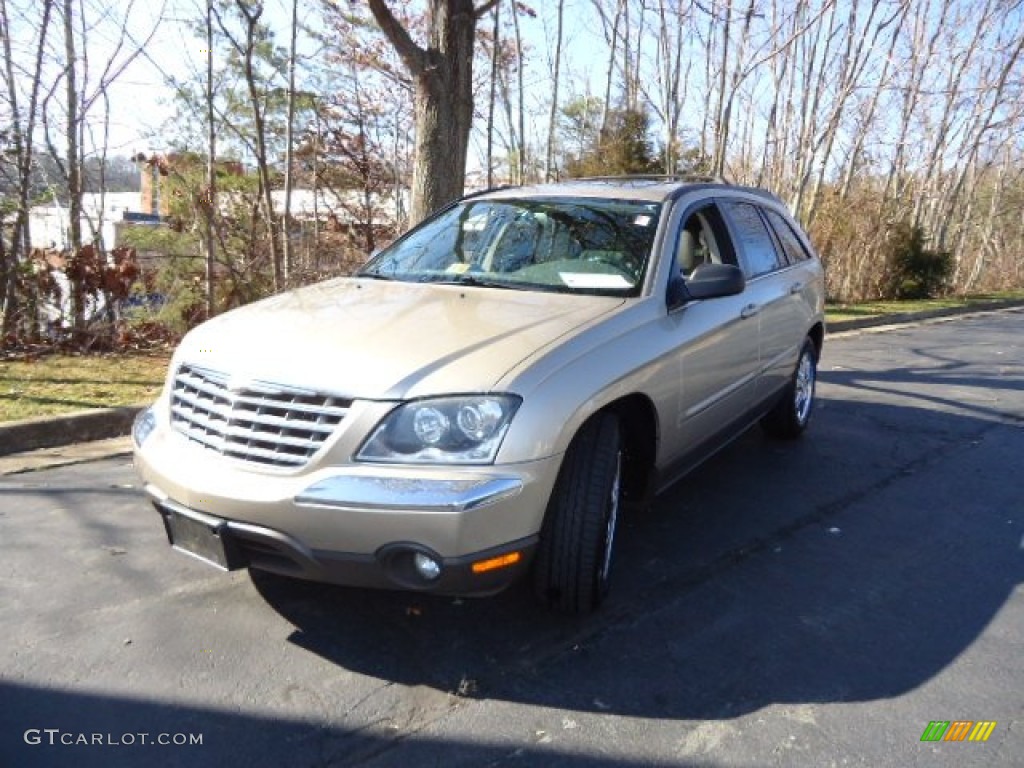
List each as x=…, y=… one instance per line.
x=753, y=239
x=791, y=244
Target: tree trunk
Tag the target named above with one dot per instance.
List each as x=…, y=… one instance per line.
x=513, y=142
x=613, y=41
x=286, y=248
x=721, y=114
x=22, y=140
x=74, y=170
x=443, y=74
x=493, y=94
x=211, y=166
x=246, y=50
x=549, y=157
x=521, y=111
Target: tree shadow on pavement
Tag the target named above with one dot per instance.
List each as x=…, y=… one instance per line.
x=851, y=566
x=61, y=728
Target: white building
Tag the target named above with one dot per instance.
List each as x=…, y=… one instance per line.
x=324, y=204
x=102, y=215
x=48, y=225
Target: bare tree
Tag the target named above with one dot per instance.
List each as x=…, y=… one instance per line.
x=870, y=109
x=244, y=46
x=73, y=167
x=64, y=92
x=611, y=35
x=923, y=46
x=952, y=96
x=556, y=71
x=671, y=82
x=211, y=169
x=21, y=147
x=286, y=253
x=495, y=58
x=520, y=175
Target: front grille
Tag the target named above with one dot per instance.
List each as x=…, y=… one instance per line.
x=258, y=422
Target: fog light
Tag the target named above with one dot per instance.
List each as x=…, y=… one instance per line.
x=426, y=566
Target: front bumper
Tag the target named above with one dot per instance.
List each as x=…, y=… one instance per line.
x=251, y=546
x=355, y=524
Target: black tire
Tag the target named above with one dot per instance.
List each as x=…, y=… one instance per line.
x=788, y=419
x=575, y=553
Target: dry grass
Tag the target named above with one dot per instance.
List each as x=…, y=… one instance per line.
x=60, y=383
x=837, y=312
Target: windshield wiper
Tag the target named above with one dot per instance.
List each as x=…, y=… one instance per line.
x=478, y=282
x=485, y=282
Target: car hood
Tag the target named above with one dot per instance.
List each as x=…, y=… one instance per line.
x=388, y=340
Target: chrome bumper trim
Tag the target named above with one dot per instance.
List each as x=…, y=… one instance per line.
x=408, y=494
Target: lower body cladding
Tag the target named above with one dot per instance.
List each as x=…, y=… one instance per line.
x=229, y=545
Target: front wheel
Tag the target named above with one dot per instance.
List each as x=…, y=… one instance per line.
x=574, y=558
x=789, y=418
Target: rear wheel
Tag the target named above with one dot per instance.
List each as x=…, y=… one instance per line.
x=790, y=416
x=574, y=558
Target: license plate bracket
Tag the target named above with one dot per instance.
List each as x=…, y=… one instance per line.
x=200, y=536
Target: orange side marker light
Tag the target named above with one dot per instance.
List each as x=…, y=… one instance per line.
x=494, y=563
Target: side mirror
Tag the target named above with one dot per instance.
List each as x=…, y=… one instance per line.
x=712, y=281
x=708, y=281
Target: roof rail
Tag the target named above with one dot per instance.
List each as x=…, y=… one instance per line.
x=479, y=192
x=682, y=177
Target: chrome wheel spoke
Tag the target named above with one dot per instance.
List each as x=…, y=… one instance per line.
x=613, y=518
x=804, y=389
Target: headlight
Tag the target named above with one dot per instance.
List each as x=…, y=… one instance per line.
x=444, y=430
x=145, y=423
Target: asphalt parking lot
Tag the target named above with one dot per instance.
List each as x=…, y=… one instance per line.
x=817, y=603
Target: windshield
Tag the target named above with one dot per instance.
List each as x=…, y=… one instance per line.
x=571, y=245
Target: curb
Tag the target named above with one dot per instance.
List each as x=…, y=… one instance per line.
x=77, y=427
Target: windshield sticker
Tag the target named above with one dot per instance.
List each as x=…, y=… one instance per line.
x=594, y=280
x=457, y=268
x=642, y=221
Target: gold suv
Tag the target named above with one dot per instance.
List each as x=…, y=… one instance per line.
x=484, y=396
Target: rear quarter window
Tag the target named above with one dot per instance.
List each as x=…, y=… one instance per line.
x=791, y=244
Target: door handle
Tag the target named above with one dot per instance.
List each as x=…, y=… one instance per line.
x=749, y=311
x=796, y=287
